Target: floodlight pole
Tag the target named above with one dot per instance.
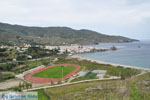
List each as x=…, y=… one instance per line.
x=82, y=61
x=62, y=72
x=62, y=79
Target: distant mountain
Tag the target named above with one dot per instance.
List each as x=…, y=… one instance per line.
x=54, y=35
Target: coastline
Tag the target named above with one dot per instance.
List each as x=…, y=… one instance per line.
x=102, y=62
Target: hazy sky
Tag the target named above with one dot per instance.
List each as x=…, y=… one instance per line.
x=115, y=17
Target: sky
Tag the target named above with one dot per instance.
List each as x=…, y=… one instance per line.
x=130, y=18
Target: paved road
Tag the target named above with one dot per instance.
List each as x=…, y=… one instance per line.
x=44, y=87
x=27, y=60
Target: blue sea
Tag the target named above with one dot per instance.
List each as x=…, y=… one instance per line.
x=135, y=54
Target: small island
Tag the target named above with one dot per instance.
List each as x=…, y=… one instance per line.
x=113, y=48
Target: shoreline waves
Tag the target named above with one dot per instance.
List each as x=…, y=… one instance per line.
x=102, y=62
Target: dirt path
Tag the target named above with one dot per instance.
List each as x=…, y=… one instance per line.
x=9, y=83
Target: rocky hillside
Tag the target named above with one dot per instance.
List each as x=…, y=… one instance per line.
x=54, y=35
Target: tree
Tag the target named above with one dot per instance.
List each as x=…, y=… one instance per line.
x=66, y=52
x=3, y=49
x=123, y=76
x=1, y=76
x=59, y=82
x=52, y=83
x=22, y=57
x=20, y=87
x=45, y=63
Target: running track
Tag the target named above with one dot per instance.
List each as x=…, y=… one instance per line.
x=30, y=78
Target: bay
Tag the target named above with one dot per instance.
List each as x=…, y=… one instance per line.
x=135, y=54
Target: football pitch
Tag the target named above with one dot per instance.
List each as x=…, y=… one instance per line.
x=55, y=72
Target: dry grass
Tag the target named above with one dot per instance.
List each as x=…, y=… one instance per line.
x=110, y=90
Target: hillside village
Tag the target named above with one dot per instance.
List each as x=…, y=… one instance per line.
x=22, y=50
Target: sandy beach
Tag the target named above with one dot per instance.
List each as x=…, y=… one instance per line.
x=102, y=62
